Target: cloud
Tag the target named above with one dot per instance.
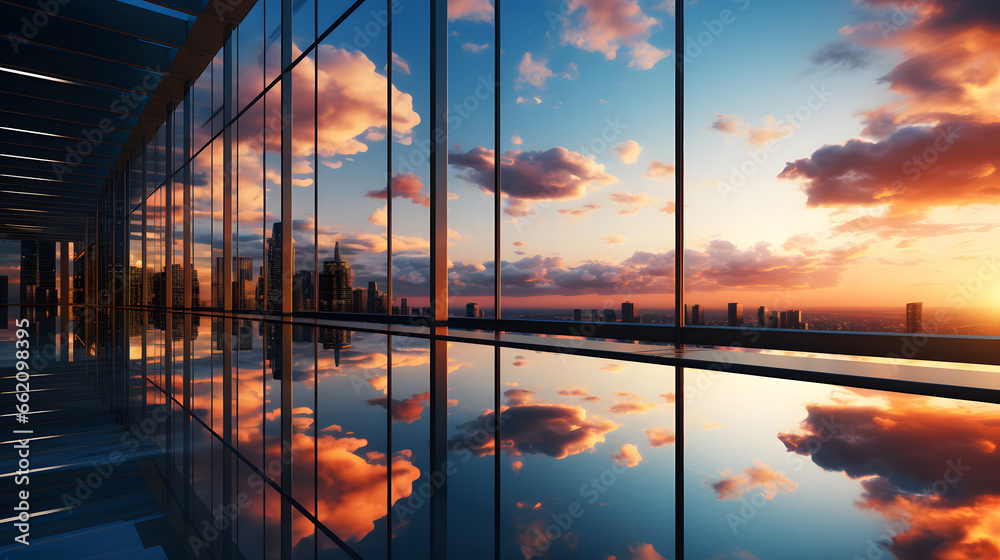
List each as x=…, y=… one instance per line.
x=669, y=207
x=770, y=129
x=914, y=168
x=532, y=71
x=404, y=185
x=574, y=392
x=630, y=403
x=732, y=486
x=519, y=243
x=470, y=10
x=572, y=72
x=659, y=170
x=614, y=238
x=628, y=456
x=401, y=63
x=354, y=103
x=379, y=217
x=516, y=466
x=630, y=203
x=528, y=100
x=628, y=151
x=613, y=368
x=589, y=207
x=531, y=427
x=658, y=437
x=407, y=410
x=474, y=48
x=920, y=460
x=719, y=265
x=530, y=176
x=644, y=551
x=516, y=139
x=606, y=26
x=842, y=54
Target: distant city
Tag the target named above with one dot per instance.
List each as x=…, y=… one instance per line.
x=333, y=291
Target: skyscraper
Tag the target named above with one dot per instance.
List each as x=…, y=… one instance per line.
x=628, y=312
x=697, y=315
x=38, y=272
x=335, y=284
x=360, y=298
x=472, y=309
x=735, y=314
x=243, y=285
x=273, y=280
x=375, y=303
x=609, y=315
x=915, y=317
x=577, y=314
x=762, y=317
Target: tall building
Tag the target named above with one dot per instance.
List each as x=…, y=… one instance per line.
x=177, y=286
x=763, y=317
x=4, y=296
x=377, y=301
x=915, y=317
x=404, y=307
x=272, y=285
x=609, y=316
x=38, y=272
x=243, y=284
x=628, y=313
x=697, y=315
x=774, y=320
x=577, y=314
x=472, y=309
x=360, y=300
x=735, y=315
x=335, y=281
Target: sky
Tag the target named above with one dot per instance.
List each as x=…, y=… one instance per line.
x=839, y=156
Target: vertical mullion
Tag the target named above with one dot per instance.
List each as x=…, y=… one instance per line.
x=496, y=163
x=287, y=258
x=287, y=265
x=439, y=161
x=388, y=157
x=679, y=176
x=186, y=196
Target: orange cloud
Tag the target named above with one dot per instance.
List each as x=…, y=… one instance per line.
x=630, y=404
x=644, y=551
x=922, y=464
x=628, y=456
x=407, y=410
x=731, y=487
x=658, y=437
x=770, y=129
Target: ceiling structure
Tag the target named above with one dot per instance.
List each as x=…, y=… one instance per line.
x=82, y=83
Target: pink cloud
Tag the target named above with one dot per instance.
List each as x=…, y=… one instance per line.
x=606, y=26
x=470, y=10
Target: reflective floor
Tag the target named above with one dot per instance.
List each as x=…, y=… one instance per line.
x=258, y=440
